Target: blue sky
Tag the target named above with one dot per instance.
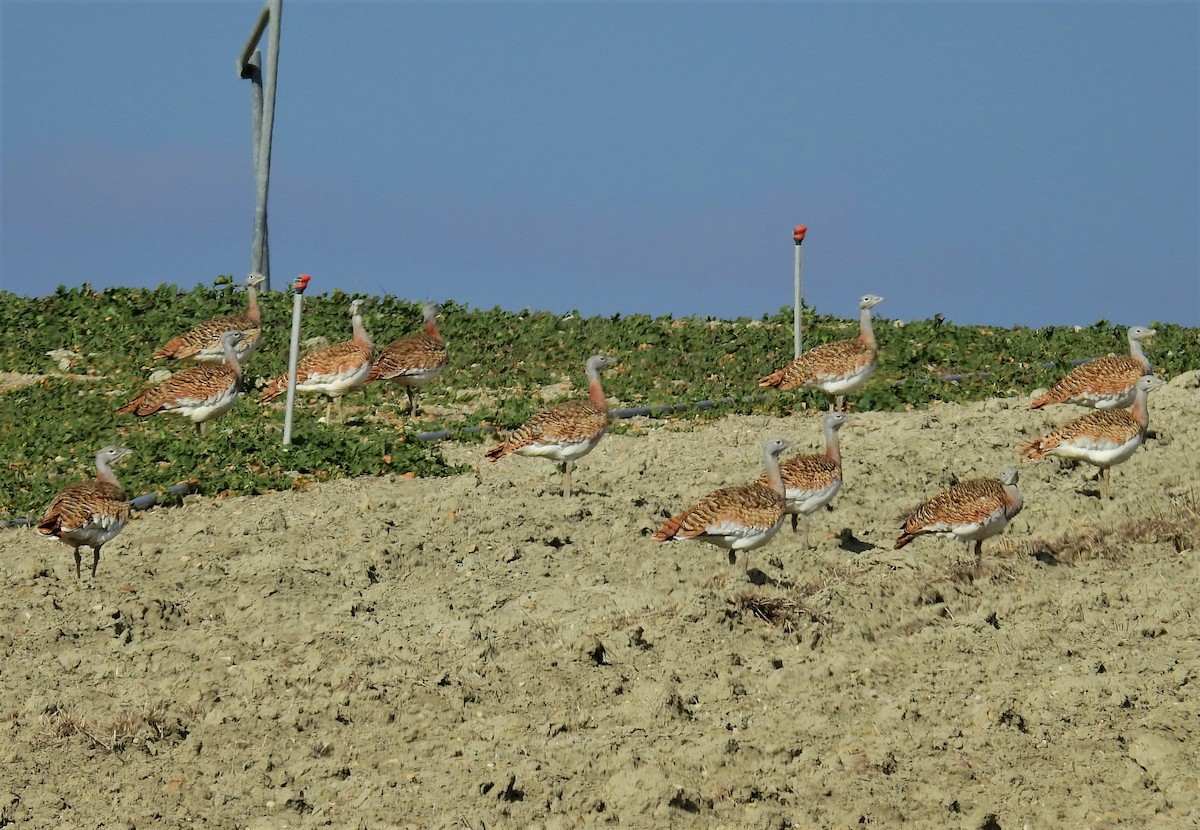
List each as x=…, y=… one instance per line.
x=998, y=163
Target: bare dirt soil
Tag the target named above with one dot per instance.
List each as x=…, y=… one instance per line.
x=479, y=652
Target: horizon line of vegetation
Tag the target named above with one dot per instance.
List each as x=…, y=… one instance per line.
x=81, y=353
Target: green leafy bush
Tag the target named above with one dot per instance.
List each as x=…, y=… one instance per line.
x=90, y=352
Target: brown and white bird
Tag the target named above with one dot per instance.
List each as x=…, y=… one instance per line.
x=89, y=512
x=334, y=370
x=835, y=368
x=566, y=432
x=1103, y=438
x=1106, y=382
x=203, y=343
x=414, y=360
x=735, y=518
x=198, y=393
x=970, y=511
x=811, y=481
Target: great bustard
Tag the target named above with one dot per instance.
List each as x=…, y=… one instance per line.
x=737, y=518
x=89, y=512
x=198, y=393
x=970, y=511
x=835, y=368
x=203, y=343
x=414, y=360
x=811, y=481
x=566, y=432
x=1103, y=438
x=1106, y=382
x=334, y=370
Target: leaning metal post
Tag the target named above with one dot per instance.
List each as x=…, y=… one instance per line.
x=262, y=109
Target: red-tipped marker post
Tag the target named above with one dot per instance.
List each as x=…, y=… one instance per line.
x=798, y=237
x=299, y=285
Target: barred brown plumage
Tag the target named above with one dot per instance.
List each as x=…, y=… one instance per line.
x=203, y=343
x=834, y=368
x=1106, y=382
x=970, y=511
x=735, y=518
x=565, y=432
x=1103, y=438
x=334, y=370
x=198, y=393
x=414, y=360
x=811, y=481
x=89, y=512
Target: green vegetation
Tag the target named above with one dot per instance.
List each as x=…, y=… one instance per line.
x=89, y=352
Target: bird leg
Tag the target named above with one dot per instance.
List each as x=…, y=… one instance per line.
x=978, y=556
x=745, y=565
x=566, y=471
x=1105, y=489
x=412, y=401
x=77, y=563
x=795, y=524
x=95, y=559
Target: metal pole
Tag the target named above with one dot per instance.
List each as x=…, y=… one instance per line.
x=293, y=357
x=798, y=236
x=263, y=116
x=260, y=26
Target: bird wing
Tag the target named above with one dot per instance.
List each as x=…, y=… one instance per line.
x=206, y=337
x=1104, y=376
x=730, y=511
x=418, y=354
x=808, y=472
x=91, y=502
x=194, y=386
x=1105, y=429
x=968, y=502
x=826, y=362
x=568, y=423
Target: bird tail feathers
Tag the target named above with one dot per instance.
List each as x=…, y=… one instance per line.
x=669, y=528
x=131, y=407
x=1034, y=450
x=273, y=389
x=774, y=379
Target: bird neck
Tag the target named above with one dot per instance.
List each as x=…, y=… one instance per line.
x=231, y=359
x=1013, y=500
x=252, y=304
x=595, y=393
x=832, y=450
x=104, y=472
x=774, y=479
x=1135, y=349
x=360, y=333
x=866, y=332
x=1140, y=409
x=431, y=328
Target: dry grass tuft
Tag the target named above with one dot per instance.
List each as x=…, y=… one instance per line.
x=145, y=723
x=1179, y=528
x=782, y=610
x=629, y=618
